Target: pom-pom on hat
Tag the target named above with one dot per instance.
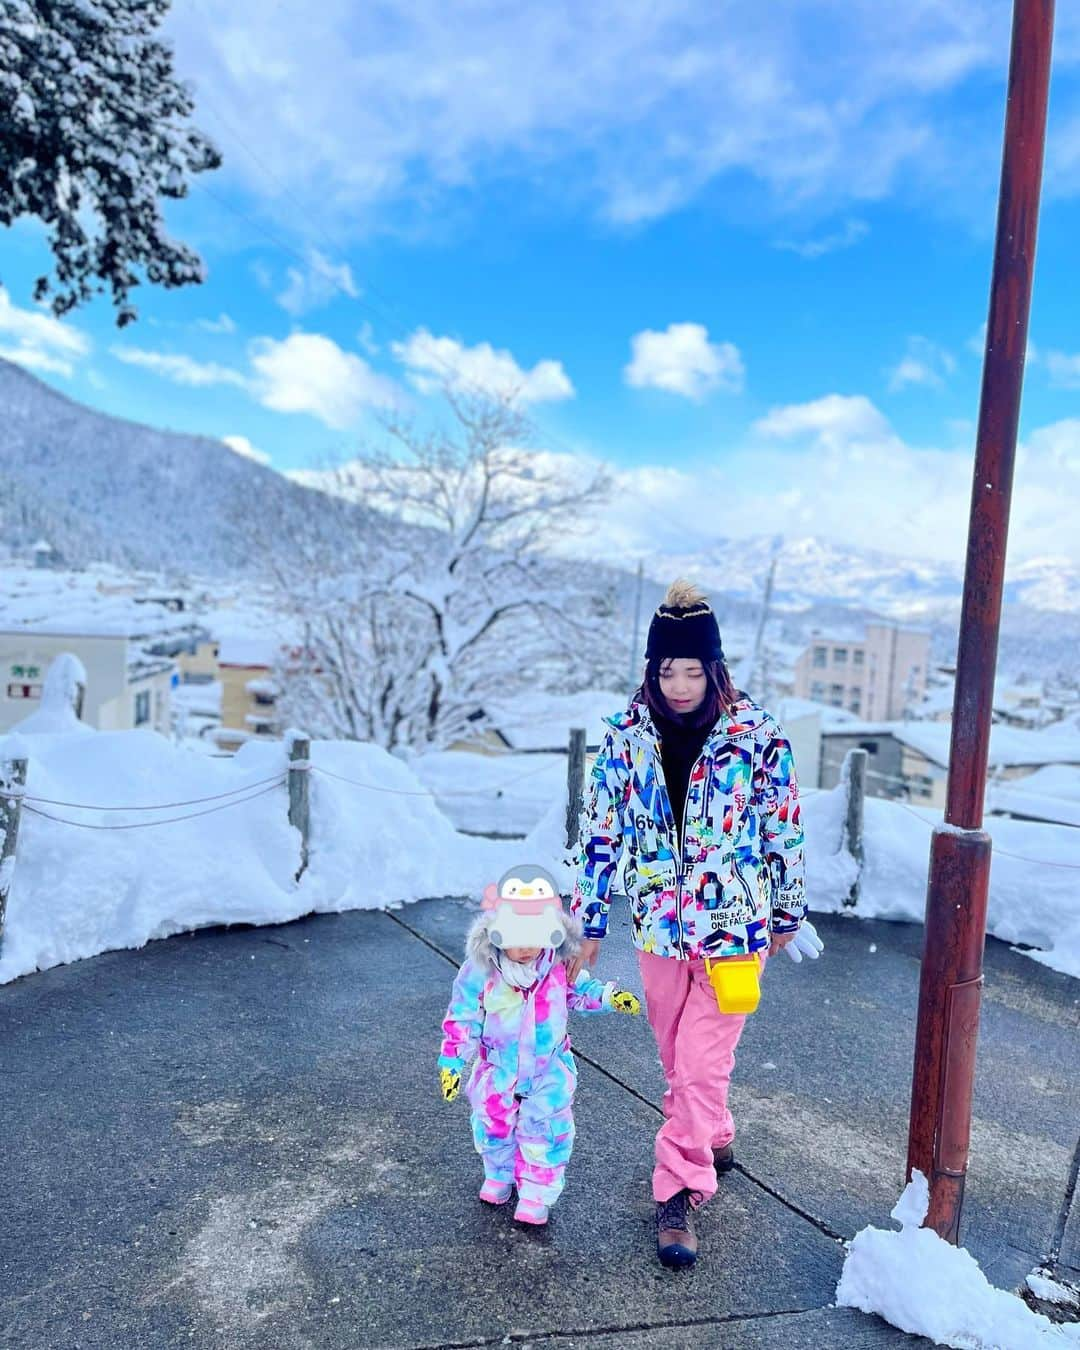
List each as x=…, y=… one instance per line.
x=684, y=626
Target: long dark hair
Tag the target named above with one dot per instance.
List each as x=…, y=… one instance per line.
x=720, y=694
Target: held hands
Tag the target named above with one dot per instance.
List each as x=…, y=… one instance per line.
x=622, y=1000
x=804, y=942
x=450, y=1083
x=586, y=956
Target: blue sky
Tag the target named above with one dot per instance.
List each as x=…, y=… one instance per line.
x=739, y=254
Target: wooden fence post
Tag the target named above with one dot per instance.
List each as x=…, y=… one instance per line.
x=854, y=776
x=12, y=782
x=575, y=783
x=300, y=794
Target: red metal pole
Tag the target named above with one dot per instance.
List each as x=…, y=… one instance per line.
x=951, y=983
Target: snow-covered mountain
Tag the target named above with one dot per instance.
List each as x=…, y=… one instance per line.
x=811, y=571
x=106, y=490
x=827, y=587
x=98, y=488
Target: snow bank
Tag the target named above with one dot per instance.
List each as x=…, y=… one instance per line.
x=1032, y=903
x=502, y=793
x=378, y=839
x=387, y=841
x=546, y=844
x=925, y=1286
x=80, y=891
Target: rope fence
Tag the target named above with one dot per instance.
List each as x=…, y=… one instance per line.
x=429, y=792
x=995, y=851
x=895, y=780
x=147, y=824
x=161, y=806
x=247, y=792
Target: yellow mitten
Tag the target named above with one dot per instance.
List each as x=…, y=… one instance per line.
x=450, y=1082
x=625, y=1002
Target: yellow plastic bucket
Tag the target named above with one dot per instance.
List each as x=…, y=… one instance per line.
x=735, y=982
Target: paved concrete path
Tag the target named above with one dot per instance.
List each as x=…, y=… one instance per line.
x=234, y=1139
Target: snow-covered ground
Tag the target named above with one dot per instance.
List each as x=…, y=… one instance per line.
x=196, y=712
x=1034, y=877
x=922, y=1284
x=221, y=849
x=492, y=794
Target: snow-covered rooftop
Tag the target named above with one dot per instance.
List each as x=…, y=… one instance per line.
x=1054, y=780
x=1017, y=801
x=75, y=604
x=1010, y=747
x=790, y=708
x=543, y=721
x=255, y=653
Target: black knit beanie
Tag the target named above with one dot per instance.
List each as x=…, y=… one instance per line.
x=684, y=626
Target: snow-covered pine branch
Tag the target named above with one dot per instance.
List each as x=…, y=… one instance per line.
x=95, y=133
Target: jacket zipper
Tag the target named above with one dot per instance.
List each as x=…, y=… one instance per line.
x=682, y=847
x=680, y=838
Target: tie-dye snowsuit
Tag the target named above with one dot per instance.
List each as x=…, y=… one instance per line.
x=521, y=1087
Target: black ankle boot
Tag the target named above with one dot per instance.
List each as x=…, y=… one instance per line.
x=676, y=1241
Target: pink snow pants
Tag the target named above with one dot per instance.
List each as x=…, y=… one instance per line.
x=697, y=1051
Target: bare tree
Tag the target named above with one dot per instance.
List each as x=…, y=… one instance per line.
x=448, y=598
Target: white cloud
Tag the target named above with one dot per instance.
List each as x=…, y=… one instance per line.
x=366, y=338
x=924, y=363
x=304, y=373
x=1064, y=370
x=263, y=274
x=356, y=116
x=835, y=420
x=852, y=232
x=179, y=368
x=836, y=468
x=35, y=339
x=243, y=447
x=317, y=284
x=309, y=373
x=433, y=362
x=222, y=324
x=682, y=360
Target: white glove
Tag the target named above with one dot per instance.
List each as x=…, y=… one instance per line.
x=805, y=943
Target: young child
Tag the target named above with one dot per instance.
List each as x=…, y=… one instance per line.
x=508, y=1008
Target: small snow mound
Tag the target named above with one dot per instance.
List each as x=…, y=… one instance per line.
x=1047, y=1290
x=920, y=1283
x=55, y=715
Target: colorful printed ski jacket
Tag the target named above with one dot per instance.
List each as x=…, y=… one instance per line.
x=518, y=1032
x=741, y=870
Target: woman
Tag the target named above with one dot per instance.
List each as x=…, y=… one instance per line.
x=695, y=785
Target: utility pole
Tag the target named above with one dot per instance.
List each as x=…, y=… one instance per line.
x=951, y=982
x=635, y=655
x=758, y=661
